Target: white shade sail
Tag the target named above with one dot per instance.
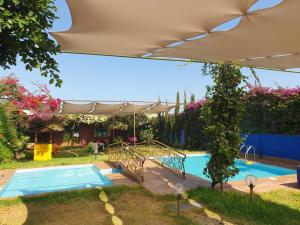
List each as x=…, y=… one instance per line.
x=139, y=28
x=96, y=108
x=80, y=108
x=108, y=109
x=157, y=108
x=265, y=38
x=130, y=109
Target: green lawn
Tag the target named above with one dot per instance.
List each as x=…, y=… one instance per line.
x=131, y=205
x=137, y=206
x=280, y=207
x=66, y=156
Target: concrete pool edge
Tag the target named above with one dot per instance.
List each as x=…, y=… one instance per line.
x=28, y=170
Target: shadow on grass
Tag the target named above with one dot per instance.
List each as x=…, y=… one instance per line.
x=71, y=207
x=133, y=205
x=291, y=185
x=240, y=208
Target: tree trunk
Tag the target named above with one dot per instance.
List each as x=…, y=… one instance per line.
x=213, y=184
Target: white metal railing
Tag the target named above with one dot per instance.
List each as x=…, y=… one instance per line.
x=248, y=149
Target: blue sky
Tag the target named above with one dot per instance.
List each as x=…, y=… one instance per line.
x=112, y=78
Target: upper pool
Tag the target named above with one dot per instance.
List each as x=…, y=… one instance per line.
x=51, y=179
x=195, y=165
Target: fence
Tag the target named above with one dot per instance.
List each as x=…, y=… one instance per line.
x=275, y=145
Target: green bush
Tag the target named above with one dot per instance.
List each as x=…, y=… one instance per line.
x=8, y=136
x=147, y=135
x=6, y=153
x=117, y=139
x=90, y=147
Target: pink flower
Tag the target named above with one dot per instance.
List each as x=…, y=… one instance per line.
x=40, y=103
x=196, y=105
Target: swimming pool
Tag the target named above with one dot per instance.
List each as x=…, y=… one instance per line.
x=195, y=165
x=52, y=179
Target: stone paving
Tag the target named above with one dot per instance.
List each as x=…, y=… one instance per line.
x=160, y=180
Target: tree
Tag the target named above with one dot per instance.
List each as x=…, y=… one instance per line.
x=176, y=119
x=184, y=101
x=28, y=109
x=192, y=98
x=223, y=112
x=177, y=107
x=8, y=135
x=24, y=29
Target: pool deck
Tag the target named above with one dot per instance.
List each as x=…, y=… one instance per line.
x=162, y=181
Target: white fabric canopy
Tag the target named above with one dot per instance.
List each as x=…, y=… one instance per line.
x=135, y=28
x=157, y=108
x=80, y=108
x=108, y=109
x=96, y=108
x=265, y=38
x=131, y=109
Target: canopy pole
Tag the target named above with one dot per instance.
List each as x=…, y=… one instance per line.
x=134, y=124
x=113, y=129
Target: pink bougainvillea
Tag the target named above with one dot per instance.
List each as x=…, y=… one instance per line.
x=253, y=91
x=196, y=105
x=283, y=93
x=38, y=105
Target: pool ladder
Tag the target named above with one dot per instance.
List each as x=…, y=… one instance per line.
x=248, y=149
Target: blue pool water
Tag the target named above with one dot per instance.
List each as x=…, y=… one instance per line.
x=52, y=179
x=196, y=164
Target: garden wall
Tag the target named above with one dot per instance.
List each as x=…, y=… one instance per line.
x=275, y=145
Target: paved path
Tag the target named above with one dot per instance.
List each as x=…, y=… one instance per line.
x=160, y=180
x=116, y=178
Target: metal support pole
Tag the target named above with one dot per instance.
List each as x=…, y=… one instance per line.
x=178, y=204
x=113, y=130
x=134, y=124
x=251, y=190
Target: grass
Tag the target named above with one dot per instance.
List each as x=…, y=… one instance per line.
x=69, y=156
x=137, y=206
x=272, y=208
x=66, y=156
x=132, y=205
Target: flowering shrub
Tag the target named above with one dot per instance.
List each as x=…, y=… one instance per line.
x=132, y=139
x=272, y=110
x=267, y=110
x=37, y=106
x=196, y=105
x=281, y=93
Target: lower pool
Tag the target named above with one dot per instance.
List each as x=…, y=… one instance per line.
x=52, y=179
x=195, y=165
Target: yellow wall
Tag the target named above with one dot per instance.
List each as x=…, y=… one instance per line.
x=42, y=152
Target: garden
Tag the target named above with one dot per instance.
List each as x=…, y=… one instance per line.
x=192, y=121
x=50, y=162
